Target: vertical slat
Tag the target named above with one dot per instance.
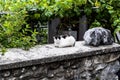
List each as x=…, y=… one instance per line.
x=52, y=25
x=82, y=27
x=52, y=29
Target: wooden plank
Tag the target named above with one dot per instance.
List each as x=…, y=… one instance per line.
x=82, y=27
x=53, y=24
x=52, y=29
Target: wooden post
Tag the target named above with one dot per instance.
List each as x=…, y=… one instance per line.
x=82, y=27
x=52, y=25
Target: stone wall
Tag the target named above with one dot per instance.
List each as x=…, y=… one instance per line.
x=93, y=63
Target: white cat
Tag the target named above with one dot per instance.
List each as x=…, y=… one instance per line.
x=64, y=41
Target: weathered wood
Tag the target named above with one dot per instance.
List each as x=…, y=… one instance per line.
x=52, y=29
x=53, y=24
x=82, y=27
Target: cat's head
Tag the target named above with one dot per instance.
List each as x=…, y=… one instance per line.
x=58, y=37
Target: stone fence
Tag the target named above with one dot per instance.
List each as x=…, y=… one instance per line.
x=47, y=62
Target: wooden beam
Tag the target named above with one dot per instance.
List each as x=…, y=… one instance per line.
x=52, y=25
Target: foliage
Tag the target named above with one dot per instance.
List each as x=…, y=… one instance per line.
x=103, y=13
x=95, y=24
x=19, y=17
x=63, y=8
x=13, y=27
x=106, y=12
x=49, y=9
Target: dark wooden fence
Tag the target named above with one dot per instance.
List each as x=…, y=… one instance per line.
x=53, y=24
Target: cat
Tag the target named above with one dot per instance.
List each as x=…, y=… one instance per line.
x=64, y=41
x=97, y=36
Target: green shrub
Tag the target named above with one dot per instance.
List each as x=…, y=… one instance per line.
x=13, y=26
x=105, y=13
x=22, y=15
x=18, y=18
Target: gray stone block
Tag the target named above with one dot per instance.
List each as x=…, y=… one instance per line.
x=98, y=36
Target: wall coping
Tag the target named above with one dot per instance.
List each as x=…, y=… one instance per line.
x=41, y=54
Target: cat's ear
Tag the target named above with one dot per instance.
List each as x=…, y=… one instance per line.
x=54, y=37
x=64, y=36
x=59, y=37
